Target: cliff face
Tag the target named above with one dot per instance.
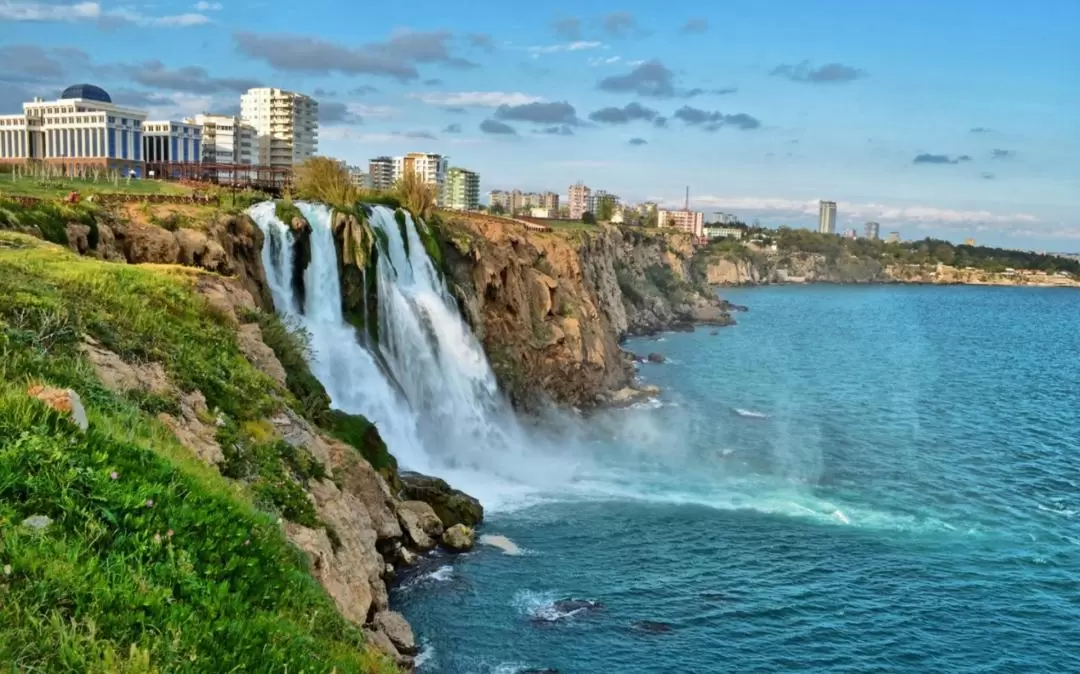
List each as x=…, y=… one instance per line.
x=772, y=267
x=551, y=307
x=763, y=268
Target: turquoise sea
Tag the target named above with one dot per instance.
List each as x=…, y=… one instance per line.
x=853, y=479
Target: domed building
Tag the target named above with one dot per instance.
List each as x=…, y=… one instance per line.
x=83, y=130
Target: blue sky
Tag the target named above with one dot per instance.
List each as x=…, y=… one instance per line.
x=950, y=118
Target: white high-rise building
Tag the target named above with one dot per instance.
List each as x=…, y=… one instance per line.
x=225, y=139
x=431, y=168
x=287, y=125
x=578, y=198
x=826, y=217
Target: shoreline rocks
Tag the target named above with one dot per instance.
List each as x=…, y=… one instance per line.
x=452, y=506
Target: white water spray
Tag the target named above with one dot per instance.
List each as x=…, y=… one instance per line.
x=451, y=419
x=444, y=415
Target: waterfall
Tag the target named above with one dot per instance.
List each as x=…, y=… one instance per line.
x=446, y=415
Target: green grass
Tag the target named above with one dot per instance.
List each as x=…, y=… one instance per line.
x=286, y=211
x=50, y=218
x=106, y=587
x=55, y=188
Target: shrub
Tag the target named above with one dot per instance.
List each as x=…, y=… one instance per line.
x=416, y=195
x=325, y=180
x=286, y=211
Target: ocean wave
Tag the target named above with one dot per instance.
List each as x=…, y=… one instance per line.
x=425, y=657
x=750, y=414
x=545, y=607
x=503, y=543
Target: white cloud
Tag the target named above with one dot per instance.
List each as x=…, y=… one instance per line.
x=371, y=110
x=579, y=45
x=203, y=6
x=474, y=99
x=601, y=61
x=40, y=11
x=14, y=10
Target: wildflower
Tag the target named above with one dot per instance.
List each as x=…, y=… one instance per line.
x=247, y=541
x=169, y=533
x=7, y=569
x=157, y=538
x=114, y=475
x=149, y=503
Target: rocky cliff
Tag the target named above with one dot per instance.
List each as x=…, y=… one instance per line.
x=767, y=267
x=205, y=361
x=551, y=307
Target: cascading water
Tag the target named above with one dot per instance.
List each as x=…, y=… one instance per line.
x=449, y=417
x=429, y=389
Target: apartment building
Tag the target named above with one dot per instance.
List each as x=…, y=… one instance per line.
x=358, y=177
x=167, y=141
x=287, y=125
x=872, y=231
x=226, y=139
x=431, y=168
x=462, y=190
x=578, y=198
x=684, y=220
x=500, y=198
x=826, y=217
x=549, y=201
x=81, y=130
x=381, y=172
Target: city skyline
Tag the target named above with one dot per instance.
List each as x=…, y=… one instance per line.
x=917, y=126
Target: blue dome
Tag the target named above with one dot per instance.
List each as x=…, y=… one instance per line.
x=88, y=92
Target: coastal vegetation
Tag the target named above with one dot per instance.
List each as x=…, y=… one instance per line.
x=120, y=550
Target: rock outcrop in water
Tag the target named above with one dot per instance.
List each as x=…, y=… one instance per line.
x=552, y=307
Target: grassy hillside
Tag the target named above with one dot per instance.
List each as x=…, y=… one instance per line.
x=153, y=561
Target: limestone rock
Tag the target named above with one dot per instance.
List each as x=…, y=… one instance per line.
x=37, y=522
x=420, y=523
x=78, y=237
x=382, y=643
x=106, y=248
x=453, y=506
x=656, y=358
x=118, y=375
x=351, y=568
x=296, y=431
x=65, y=401
x=226, y=296
x=249, y=339
x=148, y=244
x=458, y=538
x=394, y=626
x=196, y=249
x=360, y=479
x=195, y=428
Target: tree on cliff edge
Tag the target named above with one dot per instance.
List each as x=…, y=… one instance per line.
x=588, y=218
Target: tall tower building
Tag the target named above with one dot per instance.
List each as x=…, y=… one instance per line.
x=873, y=231
x=578, y=200
x=827, y=217
x=381, y=170
x=286, y=123
x=462, y=190
x=431, y=168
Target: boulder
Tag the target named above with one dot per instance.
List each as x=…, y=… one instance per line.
x=149, y=244
x=249, y=339
x=452, y=506
x=656, y=358
x=360, y=479
x=458, y=538
x=65, y=401
x=37, y=522
x=195, y=428
x=420, y=523
x=382, y=643
x=120, y=376
x=394, y=626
